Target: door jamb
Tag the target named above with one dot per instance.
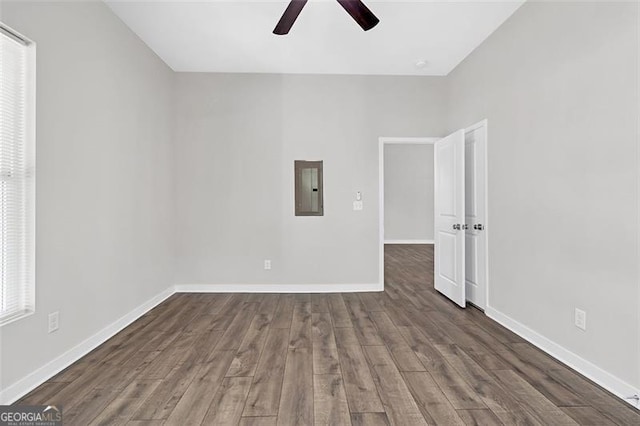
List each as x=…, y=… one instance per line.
x=382, y=141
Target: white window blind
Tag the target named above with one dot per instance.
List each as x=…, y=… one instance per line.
x=17, y=178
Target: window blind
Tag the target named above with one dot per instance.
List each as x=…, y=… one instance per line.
x=16, y=180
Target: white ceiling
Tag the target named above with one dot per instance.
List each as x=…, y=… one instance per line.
x=236, y=36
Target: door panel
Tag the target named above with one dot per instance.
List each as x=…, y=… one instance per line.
x=470, y=204
x=475, y=214
x=447, y=256
x=471, y=268
x=447, y=157
x=449, y=213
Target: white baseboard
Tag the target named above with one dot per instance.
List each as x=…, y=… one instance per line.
x=25, y=385
x=408, y=241
x=277, y=288
x=596, y=374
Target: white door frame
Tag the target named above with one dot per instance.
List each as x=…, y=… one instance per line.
x=381, y=143
x=484, y=124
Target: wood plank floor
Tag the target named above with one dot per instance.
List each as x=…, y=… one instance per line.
x=406, y=356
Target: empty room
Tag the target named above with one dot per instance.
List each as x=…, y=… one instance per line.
x=325, y=212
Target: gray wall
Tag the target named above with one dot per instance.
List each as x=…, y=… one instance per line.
x=104, y=194
x=237, y=137
x=559, y=85
x=408, y=192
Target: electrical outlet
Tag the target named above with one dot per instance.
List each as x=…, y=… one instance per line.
x=267, y=264
x=581, y=319
x=53, y=321
x=358, y=205
x=633, y=400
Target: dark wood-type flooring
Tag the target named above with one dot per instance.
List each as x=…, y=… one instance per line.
x=406, y=356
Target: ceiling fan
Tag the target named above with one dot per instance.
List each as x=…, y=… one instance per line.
x=358, y=11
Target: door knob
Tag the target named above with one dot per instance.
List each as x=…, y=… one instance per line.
x=478, y=227
x=465, y=226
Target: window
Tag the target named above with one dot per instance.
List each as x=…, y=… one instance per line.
x=17, y=176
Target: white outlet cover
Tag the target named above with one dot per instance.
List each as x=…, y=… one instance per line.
x=581, y=319
x=267, y=264
x=54, y=320
x=358, y=205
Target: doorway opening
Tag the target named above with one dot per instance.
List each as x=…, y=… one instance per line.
x=455, y=222
x=402, y=233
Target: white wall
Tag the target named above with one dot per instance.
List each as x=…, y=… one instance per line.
x=558, y=83
x=237, y=137
x=408, y=192
x=104, y=194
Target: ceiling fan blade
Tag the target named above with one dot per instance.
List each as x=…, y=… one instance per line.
x=289, y=17
x=360, y=13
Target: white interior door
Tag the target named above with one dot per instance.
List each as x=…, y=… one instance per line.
x=449, y=217
x=475, y=207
